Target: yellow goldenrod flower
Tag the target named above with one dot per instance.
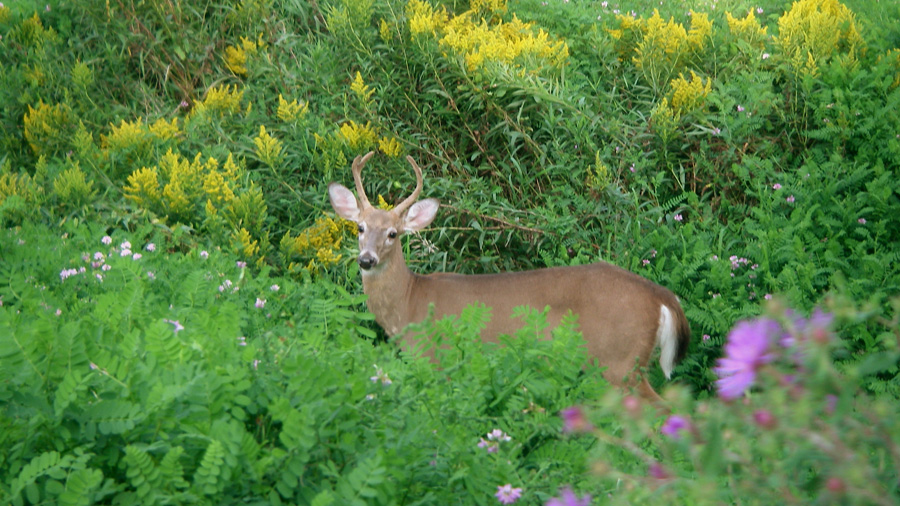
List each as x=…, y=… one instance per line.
x=389, y=146
x=688, y=96
x=701, y=29
x=268, y=148
x=664, y=120
x=244, y=243
x=291, y=111
x=747, y=28
x=72, y=186
x=361, y=89
x=44, y=126
x=814, y=30
x=386, y=31
x=357, y=137
x=143, y=188
x=220, y=100
x=165, y=130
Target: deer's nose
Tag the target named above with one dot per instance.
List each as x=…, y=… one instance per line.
x=367, y=261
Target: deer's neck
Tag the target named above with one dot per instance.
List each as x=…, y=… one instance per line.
x=388, y=287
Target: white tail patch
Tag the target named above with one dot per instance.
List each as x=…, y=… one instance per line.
x=667, y=340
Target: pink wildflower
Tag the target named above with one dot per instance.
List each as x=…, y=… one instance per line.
x=506, y=494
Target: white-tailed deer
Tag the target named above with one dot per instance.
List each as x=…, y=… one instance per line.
x=622, y=315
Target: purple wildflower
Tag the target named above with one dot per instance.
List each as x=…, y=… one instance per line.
x=764, y=418
x=490, y=446
x=746, y=350
x=674, y=426
x=574, y=420
x=381, y=376
x=506, y=494
x=568, y=498
x=175, y=323
x=658, y=471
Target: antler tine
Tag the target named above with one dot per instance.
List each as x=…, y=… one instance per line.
x=356, y=168
x=415, y=194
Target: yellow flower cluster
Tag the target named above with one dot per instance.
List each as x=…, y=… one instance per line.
x=386, y=31
x=423, y=18
x=512, y=43
x=361, y=90
x=268, y=148
x=664, y=120
x=813, y=30
x=488, y=6
x=163, y=130
x=747, y=28
x=32, y=33
x=72, y=186
x=389, y=146
x=658, y=47
x=667, y=41
x=320, y=243
x=291, y=111
x=24, y=187
x=598, y=175
x=127, y=135
x=134, y=140
x=688, y=96
x=220, y=100
x=178, y=187
x=236, y=56
x=357, y=137
x=244, y=243
x=44, y=125
x=482, y=42
x=82, y=75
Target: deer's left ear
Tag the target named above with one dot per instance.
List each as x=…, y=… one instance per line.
x=420, y=215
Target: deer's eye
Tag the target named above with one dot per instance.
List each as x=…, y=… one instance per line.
x=360, y=229
x=392, y=234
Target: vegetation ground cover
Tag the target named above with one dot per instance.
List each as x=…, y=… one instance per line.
x=180, y=318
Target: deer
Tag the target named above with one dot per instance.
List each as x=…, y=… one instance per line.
x=622, y=316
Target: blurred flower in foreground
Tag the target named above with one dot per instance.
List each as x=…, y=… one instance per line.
x=746, y=350
x=568, y=498
x=674, y=426
x=574, y=420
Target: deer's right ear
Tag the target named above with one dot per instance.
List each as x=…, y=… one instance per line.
x=343, y=201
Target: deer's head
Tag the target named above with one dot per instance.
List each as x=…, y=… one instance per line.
x=380, y=230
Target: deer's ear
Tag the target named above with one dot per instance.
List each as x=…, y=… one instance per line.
x=420, y=215
x=343, y=201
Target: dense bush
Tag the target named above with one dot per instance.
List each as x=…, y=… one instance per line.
x=734, y=153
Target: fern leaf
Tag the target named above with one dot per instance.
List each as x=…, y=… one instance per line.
x=142, y=473
x=67, y=392
x=206, y=478
x=162, y=342
x=37, y=467
x=113, y=416
x=79, y=487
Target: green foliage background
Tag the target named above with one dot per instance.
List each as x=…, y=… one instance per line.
x=780, y=180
